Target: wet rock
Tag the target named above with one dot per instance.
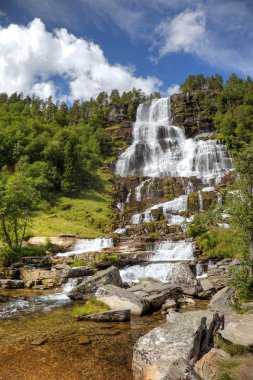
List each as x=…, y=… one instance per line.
x=110, y=276
x=34, y=276
x=239, y=330
x=183, y=277
x=186, y=301
x=207, y=366
x=9, y=273
x=121, y=299
x=11, y=284
x=84, y=340
x=170, y=351
x=169, y=304
x=107, y=316
x=223, y=299
x=157, y=293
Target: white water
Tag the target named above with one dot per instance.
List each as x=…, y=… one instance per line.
x=89, y=245
x=158, y=271
x=173, y=251
x=26, y=305
x=200, y=201
x=160, y=149
x=138, y=190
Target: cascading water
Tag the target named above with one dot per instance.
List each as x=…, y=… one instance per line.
x=200, y=201
x=173, y=251
x=138, y=190
x=89, y=245
x=160, y=149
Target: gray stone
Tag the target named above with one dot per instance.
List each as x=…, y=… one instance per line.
x=121, y=299
x=109, y=276
x=223, y=299
x=239, y=330
x=157, y=354
x=107, y=316
x=157, y=293
x=11, y=284
x=205, y=284
x=183, y=277
x=169, y=304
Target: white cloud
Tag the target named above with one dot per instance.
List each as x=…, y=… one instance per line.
x=182, y=33
x=173, y=89
x=30, y=57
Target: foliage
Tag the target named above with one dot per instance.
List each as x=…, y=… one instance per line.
x=9, y=256
x=92, y=306
x=79, y=262
x=243, y=281
x=106, y=257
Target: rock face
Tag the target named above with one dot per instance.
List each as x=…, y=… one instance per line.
x=170, y=351
x=183, y=277
x=207, y=367
x=121, y=299
x=11, y=284
x=239, y=330
x=223, y=299
x=107, y=316
x=156, y=294
x=110, y=276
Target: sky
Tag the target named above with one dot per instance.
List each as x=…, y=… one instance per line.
x=74, y=49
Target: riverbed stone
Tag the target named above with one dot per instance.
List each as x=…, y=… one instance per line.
x=11, y=284
x=109, y=276
x=84, y=340
x=239, y=330
x=107, y=316
x=156, y=294
x=224, y=299
x=157, y=354
x=183, y=277
x=121, y=299
x=207, y=366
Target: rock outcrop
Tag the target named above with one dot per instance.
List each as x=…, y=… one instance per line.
x=11, y=284
x=170, y=351
x=207, y=366
x=121, y=299
x=223, y=300
x=183, y=277
x=239, y=330
x=110, y=276
x=107, y=316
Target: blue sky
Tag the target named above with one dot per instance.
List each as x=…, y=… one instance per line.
x=76, y=48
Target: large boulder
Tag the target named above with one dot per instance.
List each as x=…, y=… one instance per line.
x=109, y=276
x=156, y=294
x=120, y=299
x=239, y=330
x=207, y=367
x=170, y=351
x=183, y=277
x=107, y=316
x=223, y=300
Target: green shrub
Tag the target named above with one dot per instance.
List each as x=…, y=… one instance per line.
x=51, y=247
x=242, y=281
x=10, y=256
x=79, y=263
x=92, y=306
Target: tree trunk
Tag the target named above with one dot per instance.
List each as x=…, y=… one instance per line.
x=251, y=254
x=4, y=229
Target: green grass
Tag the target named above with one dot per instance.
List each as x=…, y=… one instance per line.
x=230, y=348
x=90, y=307
x=79, y=263
x=87, y=215
x=236, y=368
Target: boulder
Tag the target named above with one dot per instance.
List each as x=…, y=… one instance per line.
x=183, y=277
x=169, y=304
x=239, y=330
x=219, y=277
x=156, y=294
x=109, y=276
x=207, y=366
x=121, y=299
x=107, y=316
x=170, y=351
x=11, y=284
x=223, y=299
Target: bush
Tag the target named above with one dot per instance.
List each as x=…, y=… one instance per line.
x=90, y=307
x=242, y=281
x=9, y=256
x=79, y=263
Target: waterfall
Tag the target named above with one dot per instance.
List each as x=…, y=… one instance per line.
x=161, y=149
x=138, y=190
x=158, y=271
x=173, y=251
x=200, y=201
x=89, y=245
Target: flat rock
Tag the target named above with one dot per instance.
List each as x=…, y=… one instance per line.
x=205, y=284
x=39, y=341
x=239, y=330
x=183, y=277
x=121, y=299
x=207, y=366
x=223, y=299
x=107, y=316
x=109, y=276
x=157, y=293
x=11, y=284
x=157, y=354
x=84, y=340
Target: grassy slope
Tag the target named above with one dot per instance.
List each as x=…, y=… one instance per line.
x=87, y=215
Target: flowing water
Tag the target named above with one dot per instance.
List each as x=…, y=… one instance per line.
x=89, y=245
x=161, y=149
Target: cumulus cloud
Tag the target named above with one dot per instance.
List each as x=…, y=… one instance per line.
x=182, y=33
x=31, y=57
x=173, y=89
